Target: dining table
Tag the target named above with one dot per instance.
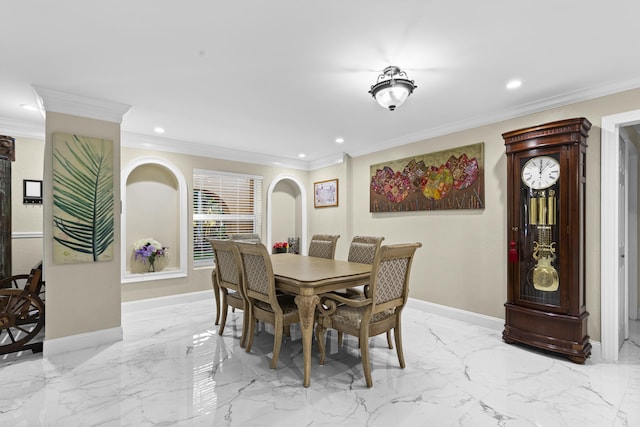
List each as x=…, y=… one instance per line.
x=308, y=277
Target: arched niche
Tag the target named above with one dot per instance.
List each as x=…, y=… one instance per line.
x=154, y=204
x=285, y=187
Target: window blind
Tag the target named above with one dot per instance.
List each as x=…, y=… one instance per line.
x=223, y=203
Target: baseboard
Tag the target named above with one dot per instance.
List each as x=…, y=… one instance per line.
x=457, y=314
x=149, y=303
x=56, y=346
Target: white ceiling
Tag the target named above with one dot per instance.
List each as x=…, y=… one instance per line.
x=267, y=80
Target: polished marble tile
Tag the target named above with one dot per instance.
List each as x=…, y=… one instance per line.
x=172, y=368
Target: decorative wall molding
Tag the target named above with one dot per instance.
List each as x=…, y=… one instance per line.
x=27, y=235
x=78, y=105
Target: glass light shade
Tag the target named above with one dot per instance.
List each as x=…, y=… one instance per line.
x=392, y=96
x=392, y=88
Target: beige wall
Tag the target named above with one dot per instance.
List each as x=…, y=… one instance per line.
x=286, y=211
x=26, y=219
x=333, y=219
x=462, y=262
x=198, y=278
x=153, y=211
x=84, y=297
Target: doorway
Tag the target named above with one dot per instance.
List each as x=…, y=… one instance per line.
x=615, y=263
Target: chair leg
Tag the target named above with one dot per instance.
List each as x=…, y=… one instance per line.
x=364, y=353
x=320, y=339
x=250, y=329
x=389, y=342
x=277, y=343
x=216, y=295
x=398, y=334
x=340, y=338
x=224, y=308
x=245, y=324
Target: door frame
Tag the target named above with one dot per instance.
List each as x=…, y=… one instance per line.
x=609, y=225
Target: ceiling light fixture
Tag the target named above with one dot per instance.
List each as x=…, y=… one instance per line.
x=392, y=88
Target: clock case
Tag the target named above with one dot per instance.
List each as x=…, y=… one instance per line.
x=554, y=320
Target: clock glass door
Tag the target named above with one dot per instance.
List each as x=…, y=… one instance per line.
x=538, y=221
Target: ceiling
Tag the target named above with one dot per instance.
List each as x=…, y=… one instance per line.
x=265, y=81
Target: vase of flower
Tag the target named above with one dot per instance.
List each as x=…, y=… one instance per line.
x=147, y=251
x=280, y=247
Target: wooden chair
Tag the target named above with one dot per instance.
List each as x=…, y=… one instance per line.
x=375, y=314
x=263, y=303
x=363, y=249
x=21, y=311
x=323, y=245
x=228, y=276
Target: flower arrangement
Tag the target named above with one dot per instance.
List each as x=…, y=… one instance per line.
x=280, y=247
x=147, y=250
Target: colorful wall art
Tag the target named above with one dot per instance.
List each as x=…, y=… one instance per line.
x=450, y=179
x=83, y=217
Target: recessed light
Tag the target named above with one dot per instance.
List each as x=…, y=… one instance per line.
x=514, y=84
x=339, y=140
x=29, y=107
x=302, y=155
x=158, y=130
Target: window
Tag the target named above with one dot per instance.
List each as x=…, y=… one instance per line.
x=223, y=203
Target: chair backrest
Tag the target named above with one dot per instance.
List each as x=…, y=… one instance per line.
x=323, y=246
x=257, y=278
x=225, y=253
x=248, y=237
x=363, y=249
x=390, y=275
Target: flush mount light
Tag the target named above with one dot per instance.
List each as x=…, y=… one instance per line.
x=514, y=84
x=392, y=88
x=339, y=140
x=158, y=130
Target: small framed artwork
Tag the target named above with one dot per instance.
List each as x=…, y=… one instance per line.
x=32, y=191
x=325, y=193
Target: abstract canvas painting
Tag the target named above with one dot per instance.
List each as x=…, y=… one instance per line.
x=450, y=179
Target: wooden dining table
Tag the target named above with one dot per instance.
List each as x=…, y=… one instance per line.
x=307, y=277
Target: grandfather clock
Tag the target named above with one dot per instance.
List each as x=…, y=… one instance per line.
x=546, y=179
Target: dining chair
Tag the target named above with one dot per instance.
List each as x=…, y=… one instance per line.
x=263, y=303
x=229, y=281
x=363, y=249
x=245, y=237
x=378, y=312
x=323, y=246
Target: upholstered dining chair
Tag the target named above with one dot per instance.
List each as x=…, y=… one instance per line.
x=229, y=281
x=363, y=249
x=380, y=310
x=323, y=245
x=263, y=303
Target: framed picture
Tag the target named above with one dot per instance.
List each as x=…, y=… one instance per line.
x=325, y=193
x=32, y=191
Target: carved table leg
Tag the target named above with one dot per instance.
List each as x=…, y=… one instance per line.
x=307, y=308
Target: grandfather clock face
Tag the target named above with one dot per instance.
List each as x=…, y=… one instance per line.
x=539, y=217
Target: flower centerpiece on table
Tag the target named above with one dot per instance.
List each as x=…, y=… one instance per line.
x=280, y=247
x=148, y=250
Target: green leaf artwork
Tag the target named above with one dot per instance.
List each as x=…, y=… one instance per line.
x=83, y=216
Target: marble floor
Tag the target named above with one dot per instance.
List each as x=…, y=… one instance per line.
x=172, y=369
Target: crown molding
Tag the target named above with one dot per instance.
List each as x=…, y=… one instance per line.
x=509, y=113
x=17, y=129
x=148, y=142
x=77, y=105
